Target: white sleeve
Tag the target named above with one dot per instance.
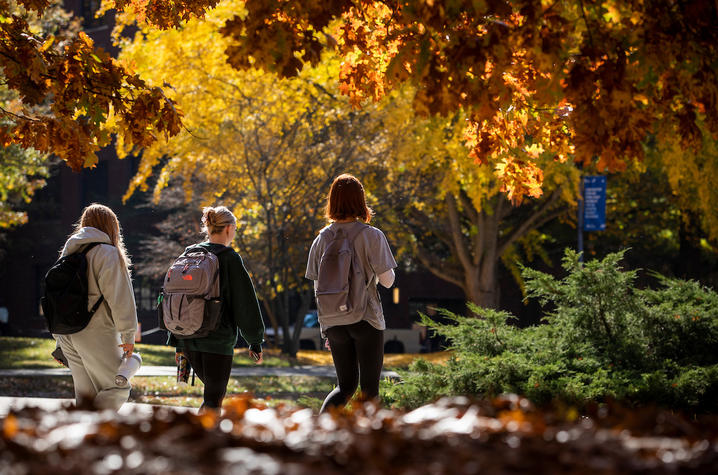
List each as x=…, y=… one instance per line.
x=116, y=287
x=379, y=253
x=387, y=278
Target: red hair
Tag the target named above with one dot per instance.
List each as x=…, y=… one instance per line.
x=346, y=200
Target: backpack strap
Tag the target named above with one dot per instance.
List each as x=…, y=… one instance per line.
x=102, y=297
x=195, y=248
x=204, y=250
x=90, y=246
x=356, y=231
x=97, y=305
x=216, y=274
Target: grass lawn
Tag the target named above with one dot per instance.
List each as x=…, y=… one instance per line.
x=34, y=353
x=306, y=391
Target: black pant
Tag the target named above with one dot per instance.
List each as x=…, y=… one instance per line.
x=213, y=370
x=358, y=353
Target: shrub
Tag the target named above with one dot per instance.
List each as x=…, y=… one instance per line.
x=604, y=338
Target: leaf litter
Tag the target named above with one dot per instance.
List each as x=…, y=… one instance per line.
x=506, y=435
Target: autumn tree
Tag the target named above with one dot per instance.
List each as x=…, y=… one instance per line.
x=692, y=178
x=265, y=147
x=72, y=96
x=448, y=213
x=445, y=210
x=592, y=78
x=24, y=170
x=595, y=77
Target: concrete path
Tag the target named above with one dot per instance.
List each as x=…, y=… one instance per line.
x=53, y=404
x=238, y=371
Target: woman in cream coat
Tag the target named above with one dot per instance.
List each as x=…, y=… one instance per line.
x=94, y=353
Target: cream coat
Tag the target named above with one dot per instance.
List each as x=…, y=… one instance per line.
x=107, y=271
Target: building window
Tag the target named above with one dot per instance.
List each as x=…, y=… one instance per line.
x=145, y=297
x=89, y=9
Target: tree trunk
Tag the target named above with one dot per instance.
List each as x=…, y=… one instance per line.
x=689, y=251
x=306, y=298
x=477, y=239
x=283, y=313
x=272, y=320
x=481, y=284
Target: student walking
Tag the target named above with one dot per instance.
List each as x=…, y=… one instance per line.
x=346, y=261
x=94, y=353
x=211, y=355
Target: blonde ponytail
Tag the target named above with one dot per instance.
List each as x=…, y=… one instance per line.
x=215, y=219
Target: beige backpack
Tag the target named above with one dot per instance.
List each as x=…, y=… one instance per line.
x=341, y=291
x=190, y=300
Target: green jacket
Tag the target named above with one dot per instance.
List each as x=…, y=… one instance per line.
x=240, y=309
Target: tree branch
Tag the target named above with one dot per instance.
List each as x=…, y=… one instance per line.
x=532, y=222
x=436, y=266
x=501, y=205
x=21, y=117
x=585, y=20
x=425, y=222
x=480, y=238
x=456, y=234
x=468, y=206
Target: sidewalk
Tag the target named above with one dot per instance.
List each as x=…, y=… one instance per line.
x=52, y=404
x=237, y=371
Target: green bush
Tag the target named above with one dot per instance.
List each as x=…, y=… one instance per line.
x=604, y=338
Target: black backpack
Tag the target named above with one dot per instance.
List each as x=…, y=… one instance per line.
x=65, y=301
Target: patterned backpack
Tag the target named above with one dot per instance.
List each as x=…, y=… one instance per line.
x=190, y=304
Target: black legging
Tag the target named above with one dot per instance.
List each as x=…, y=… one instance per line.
x=213, y=370
x=358, y=353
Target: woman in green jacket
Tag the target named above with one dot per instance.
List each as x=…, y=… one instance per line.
x=211, y=356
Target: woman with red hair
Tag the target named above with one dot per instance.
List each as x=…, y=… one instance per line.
x=354, y=332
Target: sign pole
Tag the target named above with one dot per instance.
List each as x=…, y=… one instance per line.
x=591, y=207
x=580, y=221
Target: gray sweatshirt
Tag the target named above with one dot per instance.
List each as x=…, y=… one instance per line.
x=107, y=276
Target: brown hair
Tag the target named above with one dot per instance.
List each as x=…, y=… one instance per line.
x=214, y=220
x=103, y=218
x=346, y=200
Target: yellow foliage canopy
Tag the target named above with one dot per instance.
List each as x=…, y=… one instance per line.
x=264, y=146
x=589, y=80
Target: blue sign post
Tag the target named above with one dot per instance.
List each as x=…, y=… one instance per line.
x=594, y=203
x=591, y=207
